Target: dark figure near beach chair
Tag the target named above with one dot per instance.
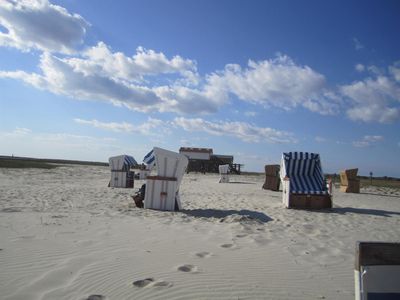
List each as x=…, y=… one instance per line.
x=139, y=196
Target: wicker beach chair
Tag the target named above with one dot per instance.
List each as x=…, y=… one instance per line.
x=303, y=182
x=272, y=179
x=349, y=182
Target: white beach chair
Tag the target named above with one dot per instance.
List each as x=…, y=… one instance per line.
x=223, y=172
x=121, y=176
x=303, y=182
x=162, y=190
x=143, y=174
x=377, y=271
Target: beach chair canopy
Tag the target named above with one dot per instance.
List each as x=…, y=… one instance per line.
x=121, y=162
x=305, y=173
x=149, y=159
x=170, y=164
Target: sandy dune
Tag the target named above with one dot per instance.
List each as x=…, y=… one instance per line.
x=65, y=235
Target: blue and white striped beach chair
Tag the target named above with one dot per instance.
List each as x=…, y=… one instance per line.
x=120, y=166
x=303, y=182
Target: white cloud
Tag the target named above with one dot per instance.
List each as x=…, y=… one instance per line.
x=59, y=77
x=374, y=113
x=374, y=98
x=357, y=44
x=395, y=71
x=277, y=82
x=250, y=113
x=38, y=24
x=87, y=80
x=20, y=131
x=320, y=139
x=101, y=60
x=244, y=131
x=23, y=141
x=186, y=100
x=368, y=140
x=359, y=67
x=112, y=126
x=147, y=128
x=149, y=81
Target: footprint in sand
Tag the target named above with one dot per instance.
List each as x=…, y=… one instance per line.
x=241, y=235
x=96, y=297
x=151, y=282
x=162, y=284
x=227, y=245
x=143, y=282
x=187, y=268
x=203, y=254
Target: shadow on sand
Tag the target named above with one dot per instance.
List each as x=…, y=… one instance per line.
x=221, y=214
x=380, y=195
x=241, y=182
x=361, y=211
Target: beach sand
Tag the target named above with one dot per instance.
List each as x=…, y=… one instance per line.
x=65, y=235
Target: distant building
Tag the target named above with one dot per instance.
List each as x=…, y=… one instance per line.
x=196, y=153
x=203, y=160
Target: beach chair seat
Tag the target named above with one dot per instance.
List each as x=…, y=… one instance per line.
x=377, y=271
x=303, y=182
x=162, y=189
x=272, y=179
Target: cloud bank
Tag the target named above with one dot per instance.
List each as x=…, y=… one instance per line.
x=244, y=131
x=368, y=140
x=375, y=98
x=241, y=130
x=146, y=128
x=38, y=24
x=150, y=81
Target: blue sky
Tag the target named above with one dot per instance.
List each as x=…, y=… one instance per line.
x=92, y=79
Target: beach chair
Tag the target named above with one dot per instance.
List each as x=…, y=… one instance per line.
x=121, y=176
x=223, y=172
x=349, y=182
x=272, y=178
x=377, y=271
x=143, y=174
x=303, y=182
x=162, y=189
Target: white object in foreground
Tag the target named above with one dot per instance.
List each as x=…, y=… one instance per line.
x=121, y=176
x=223, y=172
x=162, y=190
x=377, y=271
